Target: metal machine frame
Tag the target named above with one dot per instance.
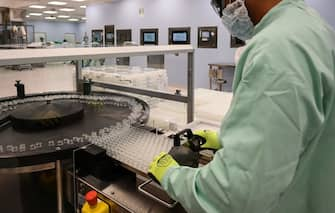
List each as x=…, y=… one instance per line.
x=189, y=99
x=15, y=57
x=18, y=56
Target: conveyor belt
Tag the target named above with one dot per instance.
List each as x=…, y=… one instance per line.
x=134, y=147
x=102, y=111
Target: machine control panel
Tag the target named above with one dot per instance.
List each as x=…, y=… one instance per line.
x=149, y=36
x=207, y=37
x=180, y=35
x=109, y=35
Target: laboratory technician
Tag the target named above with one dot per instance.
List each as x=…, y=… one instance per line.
x=276, y=145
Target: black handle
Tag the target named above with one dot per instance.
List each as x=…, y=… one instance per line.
x=87, y=86
x=194, y=141
x=20, y=91
x=177, y=137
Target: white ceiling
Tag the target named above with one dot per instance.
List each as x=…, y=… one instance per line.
x=24, y=4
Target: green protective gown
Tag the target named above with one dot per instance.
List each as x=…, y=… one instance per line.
x=279, y=134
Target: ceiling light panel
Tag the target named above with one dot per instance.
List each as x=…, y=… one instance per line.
x=35, y=14
x=59, y=3
x=50, y=12
x=37, y=6
x=79, y=0
x=63, y=16
x=67, y=9
x=83, y=6
x=73, y=19
x=50, y=17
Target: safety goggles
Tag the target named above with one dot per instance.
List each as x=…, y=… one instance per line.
x=219, y=5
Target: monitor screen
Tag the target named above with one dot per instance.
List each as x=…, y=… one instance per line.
x=97, y=36
x=109, y=36
x=179, y=36
x=205, y=34
x=149, y=37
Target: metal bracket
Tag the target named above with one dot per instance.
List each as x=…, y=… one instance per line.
x=141, y=189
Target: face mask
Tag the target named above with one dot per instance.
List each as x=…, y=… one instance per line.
x=236, y=19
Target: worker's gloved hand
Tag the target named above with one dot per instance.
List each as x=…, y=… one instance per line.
x=160, y=165
x=185, y=156
x=211, y=139
x=178, y=155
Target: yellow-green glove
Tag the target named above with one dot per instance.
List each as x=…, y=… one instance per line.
x=211, y=137
x=160, y=165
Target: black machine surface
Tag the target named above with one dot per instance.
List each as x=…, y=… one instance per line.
x=47, y=115
x=39, y=134
x=22, y=120
x=46, y=128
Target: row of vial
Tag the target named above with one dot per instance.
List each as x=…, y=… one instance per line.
x=117, y=101
x=109, y=100
x=132, y=146
x=40, y=145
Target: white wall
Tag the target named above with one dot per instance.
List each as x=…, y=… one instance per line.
x=325, y=8
x=82, y=29
x=56, y=30
x=163, y=14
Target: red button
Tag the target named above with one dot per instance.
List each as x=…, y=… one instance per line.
x=92, y=198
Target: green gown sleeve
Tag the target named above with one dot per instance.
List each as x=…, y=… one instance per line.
x=262, y=136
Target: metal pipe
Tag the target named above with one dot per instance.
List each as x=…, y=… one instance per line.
x=152, y=196
x=150, y=93
x=79, y=65
x=27, y=169
x=59, y=180
x=190, y=87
